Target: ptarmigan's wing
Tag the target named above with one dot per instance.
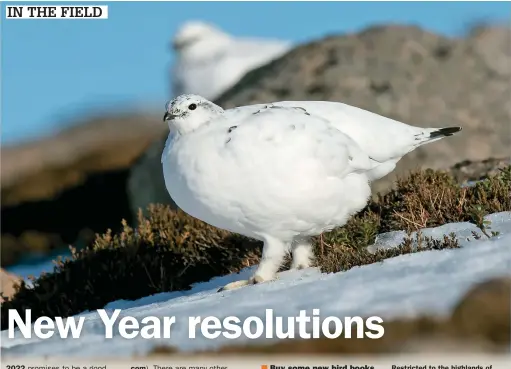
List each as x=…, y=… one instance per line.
x=384, y=139
x=297, y=133
x=244, y=113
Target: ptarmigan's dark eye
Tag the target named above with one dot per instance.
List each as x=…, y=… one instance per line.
x=192, y=106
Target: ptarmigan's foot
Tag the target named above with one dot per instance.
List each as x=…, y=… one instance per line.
x=256, y=279
x=273, y=254
x=235, y=285
x=302, y=254
x=299, y=267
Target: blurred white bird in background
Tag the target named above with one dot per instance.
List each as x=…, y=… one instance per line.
x=209, y=61
x=281, y=172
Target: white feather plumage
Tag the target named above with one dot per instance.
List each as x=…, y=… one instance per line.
x=281, y=172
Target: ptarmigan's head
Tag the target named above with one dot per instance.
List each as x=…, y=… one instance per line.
x=186, y=113
x=195, y=33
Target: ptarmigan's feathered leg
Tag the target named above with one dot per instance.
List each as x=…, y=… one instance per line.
x=274, y=252
x=302, y=253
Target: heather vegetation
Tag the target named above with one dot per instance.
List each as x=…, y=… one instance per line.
x=169, y=250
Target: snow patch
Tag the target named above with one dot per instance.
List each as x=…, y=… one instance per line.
x=429, y=282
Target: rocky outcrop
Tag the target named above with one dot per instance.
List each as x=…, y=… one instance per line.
x=401, y=72
x=467, y=171
x=62, y=189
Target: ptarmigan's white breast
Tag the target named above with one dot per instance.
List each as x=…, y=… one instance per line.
x=280, y=172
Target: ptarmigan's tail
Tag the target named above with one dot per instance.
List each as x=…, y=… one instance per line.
x=421, y=136
x=434, y=134
x=444, y=132
x=418, y=137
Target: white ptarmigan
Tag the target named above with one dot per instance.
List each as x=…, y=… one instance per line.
x=208, y=61
x=280, y=172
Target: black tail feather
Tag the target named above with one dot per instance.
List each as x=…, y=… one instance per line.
x=442, y=132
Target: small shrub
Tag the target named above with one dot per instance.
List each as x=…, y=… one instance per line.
x=344, y=258
x=424, y=199
x=169, y=250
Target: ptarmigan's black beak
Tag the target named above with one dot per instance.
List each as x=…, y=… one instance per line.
x=167, y=116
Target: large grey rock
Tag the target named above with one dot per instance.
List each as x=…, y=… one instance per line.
x=145, y=183
x=401, y=72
